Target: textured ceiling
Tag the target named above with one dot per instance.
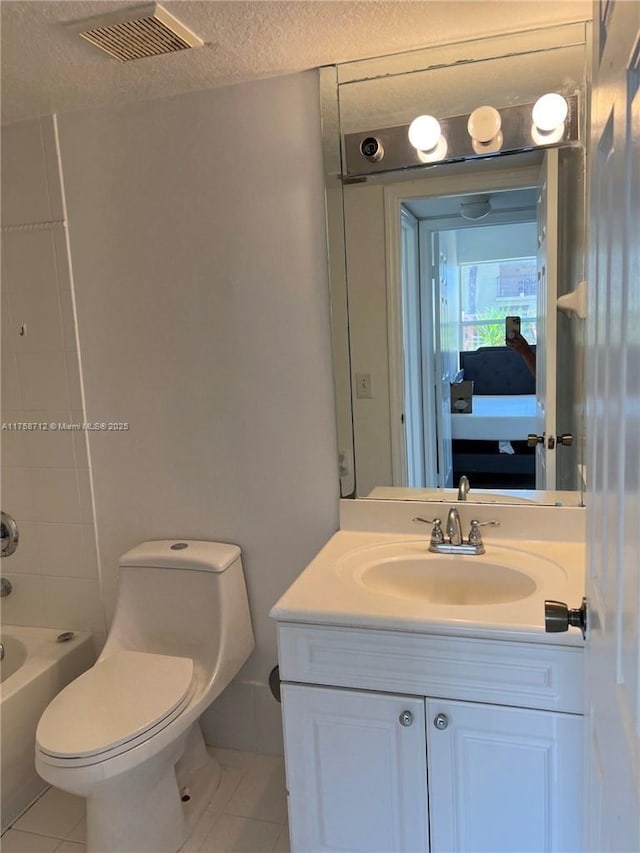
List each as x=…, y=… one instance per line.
x=47, y=68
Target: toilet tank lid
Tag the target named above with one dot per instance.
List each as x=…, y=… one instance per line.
x=182, y=554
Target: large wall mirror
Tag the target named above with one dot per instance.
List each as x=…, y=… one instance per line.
x=426, y=263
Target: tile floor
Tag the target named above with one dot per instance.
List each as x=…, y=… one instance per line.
x=248, y=814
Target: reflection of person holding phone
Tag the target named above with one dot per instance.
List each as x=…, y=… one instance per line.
x=521, y=346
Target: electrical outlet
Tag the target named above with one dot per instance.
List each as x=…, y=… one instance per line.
x=363, y=386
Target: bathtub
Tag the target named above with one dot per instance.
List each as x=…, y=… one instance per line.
x=35, y=668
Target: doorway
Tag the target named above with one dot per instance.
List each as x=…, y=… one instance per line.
x=467, y=263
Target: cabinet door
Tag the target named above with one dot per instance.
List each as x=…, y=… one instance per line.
x=356, y=776
x=503, y=779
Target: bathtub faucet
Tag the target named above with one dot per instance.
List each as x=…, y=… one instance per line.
x=5, y=587
x=1, y=651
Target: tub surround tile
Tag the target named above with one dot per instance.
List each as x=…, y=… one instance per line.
x=31, y=275
x=72, y=604
x=17, y=494
x=26, y=196
x=16, y=841
x=10, y=393
x=49, y=448
x=26, y=558
x=25, y=605
x=43, y=380
x=65, y=550
x=73, y=378
x=55, y=492
x=83, y=479
x=6, y=318
x=13, y=443
x=56, y=814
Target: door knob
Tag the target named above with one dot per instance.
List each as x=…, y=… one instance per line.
x=558, y=617
x=533, y=439
x=406, y=718
x=441, y=721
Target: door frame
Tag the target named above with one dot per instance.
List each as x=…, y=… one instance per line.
x=457, y=181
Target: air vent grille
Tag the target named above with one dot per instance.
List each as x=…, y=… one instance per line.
x=136, y=38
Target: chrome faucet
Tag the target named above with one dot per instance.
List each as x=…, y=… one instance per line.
x=463, y=488
x=454, y=543
x=1, y=651
x=454, y=527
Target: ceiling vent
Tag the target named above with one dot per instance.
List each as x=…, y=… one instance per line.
x=139, y=32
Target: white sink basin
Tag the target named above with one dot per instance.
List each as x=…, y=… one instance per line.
x=407, y=570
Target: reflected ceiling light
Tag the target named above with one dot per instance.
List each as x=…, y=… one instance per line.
x=549, y=112
x=424, y=133
x=477, y=208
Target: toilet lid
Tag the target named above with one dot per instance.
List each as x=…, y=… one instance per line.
x=116, y=700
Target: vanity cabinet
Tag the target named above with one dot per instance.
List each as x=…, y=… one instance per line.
x=356, y=774
x=388, y=750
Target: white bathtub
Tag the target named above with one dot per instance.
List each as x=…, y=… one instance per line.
x=35, y=668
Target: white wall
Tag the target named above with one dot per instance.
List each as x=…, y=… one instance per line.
x=45, y=477
x=198, y=250
x=487, y=243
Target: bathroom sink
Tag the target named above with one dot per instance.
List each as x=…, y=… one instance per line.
x=442, y=582
x=408, y=570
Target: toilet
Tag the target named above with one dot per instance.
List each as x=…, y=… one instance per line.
x=125, y=734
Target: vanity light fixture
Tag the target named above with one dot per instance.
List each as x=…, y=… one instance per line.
x=549, y=114
x=484, y=129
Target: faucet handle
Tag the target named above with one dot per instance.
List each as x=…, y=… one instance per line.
x=437, y=536
x=475, y=537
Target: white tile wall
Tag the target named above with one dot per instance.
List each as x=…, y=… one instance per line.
x=55, y=569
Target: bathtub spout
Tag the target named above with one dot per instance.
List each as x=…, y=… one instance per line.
x=5, y=587
x=1, y=651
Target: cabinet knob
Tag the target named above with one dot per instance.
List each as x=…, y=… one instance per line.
x=441, y=721
x=406, y=718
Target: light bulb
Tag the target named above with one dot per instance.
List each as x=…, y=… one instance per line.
x=549, y=112
x=424, y=133
x=484, y=124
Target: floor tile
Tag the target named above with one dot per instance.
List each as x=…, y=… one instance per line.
x=261, y=794
x=56, y=814
x=229, y=781
x=70, y=847
x=15, y=841
x=79, y=833
x=282, y=842
x=235, y=758
x=232, y=834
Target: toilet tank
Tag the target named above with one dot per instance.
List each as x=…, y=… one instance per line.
x=186, y=598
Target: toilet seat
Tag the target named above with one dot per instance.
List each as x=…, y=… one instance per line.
x=119, y=703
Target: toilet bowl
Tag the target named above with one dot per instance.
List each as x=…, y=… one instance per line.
x=125, y=734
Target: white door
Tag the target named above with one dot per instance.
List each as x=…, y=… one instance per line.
x=547, y=218
x=613, y=434
x=503, y=780
x=356, y=773
x=446, y=350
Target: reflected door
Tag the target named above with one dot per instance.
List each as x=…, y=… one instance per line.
x=547, y=219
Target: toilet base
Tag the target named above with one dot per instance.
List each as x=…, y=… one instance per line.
x=198, y=773
x=139, y=811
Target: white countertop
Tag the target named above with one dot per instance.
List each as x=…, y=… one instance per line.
x=328, y=593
